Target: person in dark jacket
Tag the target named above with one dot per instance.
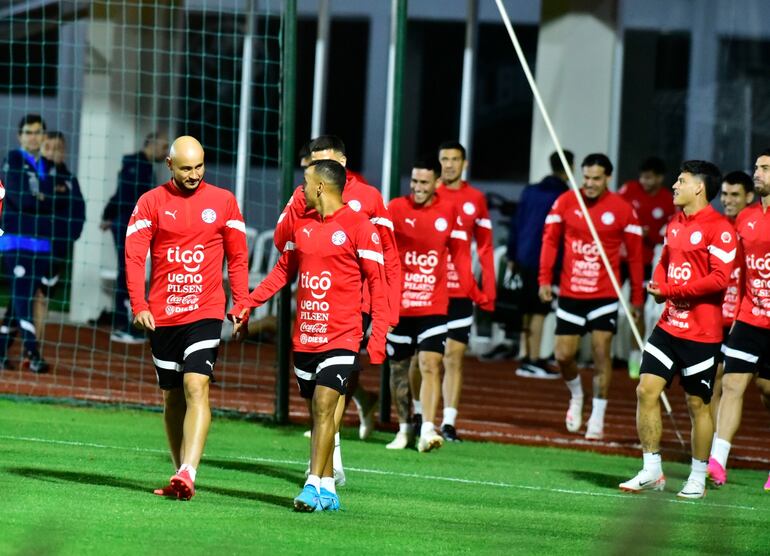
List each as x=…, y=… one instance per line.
x=525, y=239
x=136, y=177
x=26, y=245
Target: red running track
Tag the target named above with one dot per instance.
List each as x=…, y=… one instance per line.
x=496, y=404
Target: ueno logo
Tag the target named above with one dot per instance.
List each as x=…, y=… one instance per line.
x=426, y=262
x=683, y=272
x=589, y=251
x=760, y=264
x=191, y=259
x=318, y=285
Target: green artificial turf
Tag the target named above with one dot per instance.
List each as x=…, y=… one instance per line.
x=79, y=481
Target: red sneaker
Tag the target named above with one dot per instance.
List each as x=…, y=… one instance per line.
x=167, y=491
x=183, y=484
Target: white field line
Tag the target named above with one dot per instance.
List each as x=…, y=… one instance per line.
x=418, y=476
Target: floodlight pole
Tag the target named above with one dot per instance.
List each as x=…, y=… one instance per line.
x=321, y=70
x=468, y=85
x=244, y=119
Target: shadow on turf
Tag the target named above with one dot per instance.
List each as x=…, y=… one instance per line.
x=599, y=479
x=293, y=477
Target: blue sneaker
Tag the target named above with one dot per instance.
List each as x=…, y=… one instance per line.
x=308, y=500
x=329, y=501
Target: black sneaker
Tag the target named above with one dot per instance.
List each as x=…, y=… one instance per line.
x=498, y=353
x=35, y=362
x=417, y=424
x=450, y=433
x=537, y=370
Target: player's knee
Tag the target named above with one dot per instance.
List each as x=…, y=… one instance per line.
x=732, y=386
x=646, y=394
x=696, y=405
x=196, y=390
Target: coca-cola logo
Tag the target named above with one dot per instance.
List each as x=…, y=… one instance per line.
x=191, y=259
x=182, y=299
x=314, y=328
x=589, y=251
x=426, y=262
x=759, y=264
x=683, y=272
x=318, y=285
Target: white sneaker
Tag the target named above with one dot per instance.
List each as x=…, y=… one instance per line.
x=594, y=430
x=366, y=423
x=644, y=480
x=308, y=433
x=430, y=441
x=574, y=418
x=402, y=441
x=692, y=489
x=339, y=477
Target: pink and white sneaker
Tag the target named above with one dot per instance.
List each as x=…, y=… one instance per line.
x=716, y=473
x=767, y=484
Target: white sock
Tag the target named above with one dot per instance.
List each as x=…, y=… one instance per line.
x=720, y=451
x=450, y=415
x=598, y=407
x=328, y=484
x=427, y=428
x=652, y=463
x=190, y=469
x=405, y=427
x=575, y=387
x=417, y=405
x=698, y=471
x=314, y=480
x=336, y=439
x=337, y=457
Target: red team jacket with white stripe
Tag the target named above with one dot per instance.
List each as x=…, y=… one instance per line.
x=425, y=235
x=583, y=275
x=732, y=297
x=471, y=206
x=367, y=200
x=333, y=257
x=693, y=272
x=188, y=234
x=753, y=227
x=653, y=211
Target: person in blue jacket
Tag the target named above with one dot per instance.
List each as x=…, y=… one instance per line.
x=525, y=239
x=136, y=177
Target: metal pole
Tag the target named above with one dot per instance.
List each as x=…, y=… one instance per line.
x=469, y=72
x=321, y=69
x=391, y=174
x=288, y=86
x=244, y=146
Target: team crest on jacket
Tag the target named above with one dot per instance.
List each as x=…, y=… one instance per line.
x=375, y=238
x=468, y=208
x=440, y=224
x=725, y=237
x=208, y=216
x=695, y=237
x=339, y=237
x=355, y=205
x=608, y=218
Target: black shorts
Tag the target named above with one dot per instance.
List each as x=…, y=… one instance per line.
x=695, y=362
x=575, y=317
x=185, y=348
x=748, y=350
x=530, y=303
x=412, y=334
x=328, y=368
x=723, y=347
x=459, y=319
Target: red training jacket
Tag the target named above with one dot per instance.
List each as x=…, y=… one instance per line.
x=364, y=198
x=333, y=257
x=693, y=272
x=188, y=234
x=425, y=235
x=753, y=227
x=471, y=205
x=583, y=275
x=653, y=211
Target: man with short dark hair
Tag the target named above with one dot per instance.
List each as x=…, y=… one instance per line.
x=471, y=206
x=333, y=256
x=427, y=231
x=525, y=241
x=26, y=245
x=747, y=353
x=691, y=277
x=587, y=300
x=136, y=177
